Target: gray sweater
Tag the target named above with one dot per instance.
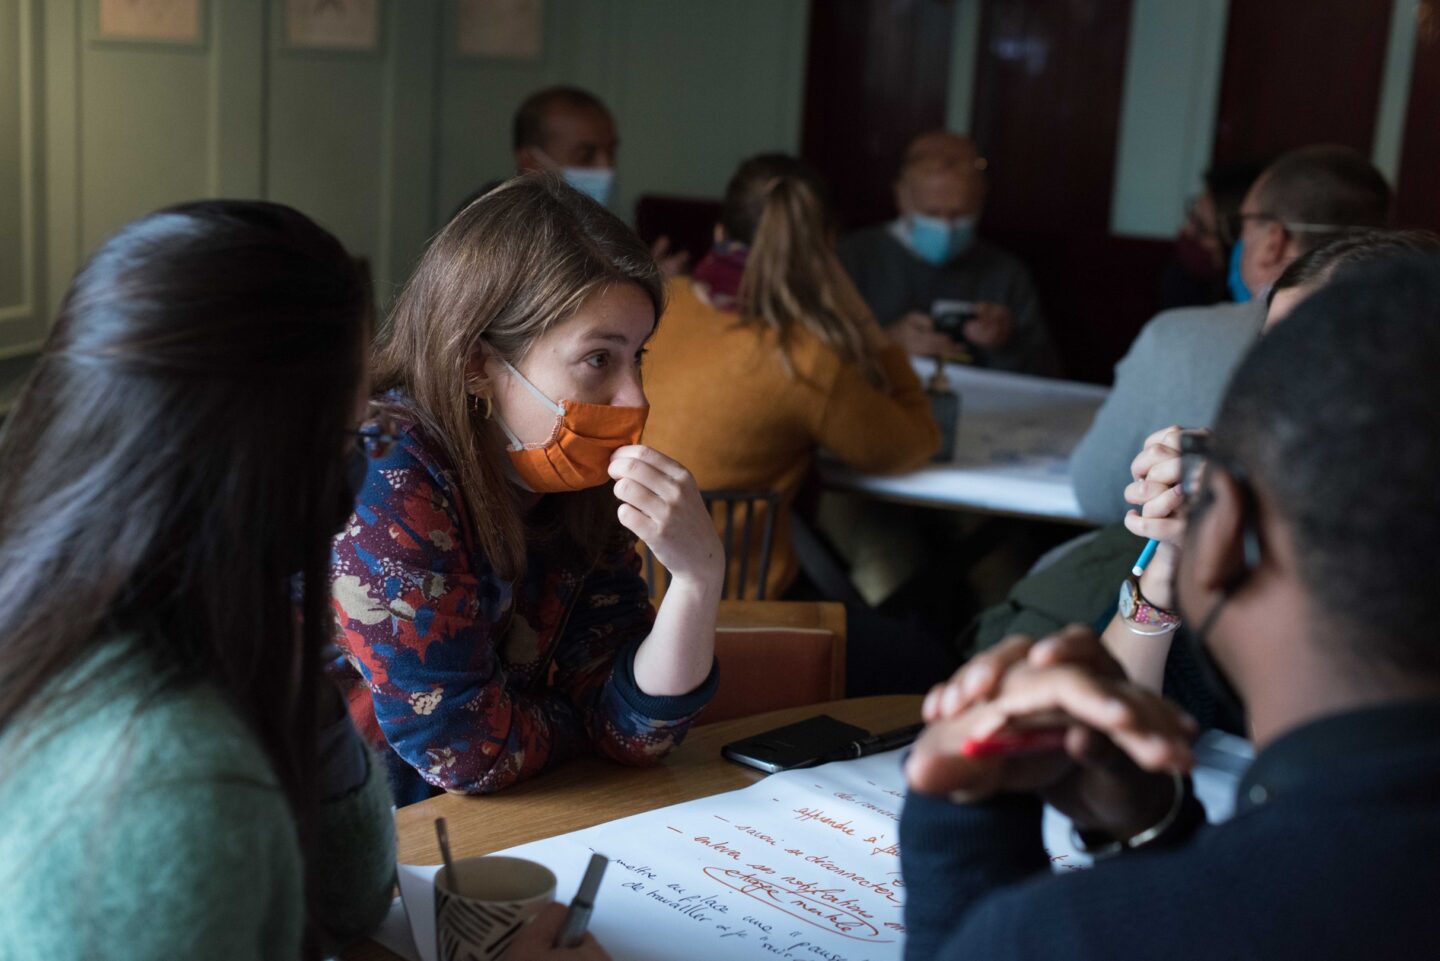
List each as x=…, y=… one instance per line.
x=1175, y=373
x=894, y=282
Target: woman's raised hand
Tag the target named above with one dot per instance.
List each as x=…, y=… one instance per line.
x=1156, y=488
x=660, y=503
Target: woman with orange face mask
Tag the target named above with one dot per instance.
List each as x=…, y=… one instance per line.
x=487, y=589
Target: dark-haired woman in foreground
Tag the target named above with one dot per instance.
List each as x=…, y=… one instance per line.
x=179, y=780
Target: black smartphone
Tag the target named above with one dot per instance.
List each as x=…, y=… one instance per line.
x=951, y=316
x=795, y=745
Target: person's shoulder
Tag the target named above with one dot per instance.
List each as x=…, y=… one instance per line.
x=993, y=255
x=151, y=790
x=1005, y=267
x=417, y=459
x=1218, y=326
x=815, y=363
x=118, y=715
x=866, y=241
x=679, y=293
x=1228, y=316
x=687, y=307
x=1087, y=912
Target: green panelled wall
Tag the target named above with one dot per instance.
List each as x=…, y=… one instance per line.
x=695, y=86
x=22, y=323
x=376, y=145
x=12, y=130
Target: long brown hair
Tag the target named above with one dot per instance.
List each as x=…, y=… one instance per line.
x=174, y=463
x=506, y=269
x=778, y=206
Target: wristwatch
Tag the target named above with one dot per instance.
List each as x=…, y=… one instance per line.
x=1139, y=613
x=1099, y=845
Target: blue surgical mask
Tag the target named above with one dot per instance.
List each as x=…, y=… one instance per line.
x=1236, y=280
x=597, y=183
x=937, y=241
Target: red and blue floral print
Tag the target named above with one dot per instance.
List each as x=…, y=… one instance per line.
x=473, y=681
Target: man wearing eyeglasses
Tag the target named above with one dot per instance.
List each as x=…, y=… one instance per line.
x=1177, y=368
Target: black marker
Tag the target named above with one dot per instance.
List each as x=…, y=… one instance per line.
x=578, y=918
x=877, y=743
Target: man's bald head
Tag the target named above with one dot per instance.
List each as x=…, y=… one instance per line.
x=568, y=126
x=942, y=147
x=942, y=176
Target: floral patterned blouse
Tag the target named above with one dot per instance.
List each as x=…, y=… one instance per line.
x=472, y=681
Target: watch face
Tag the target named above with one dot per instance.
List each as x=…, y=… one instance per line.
x=1128, y=595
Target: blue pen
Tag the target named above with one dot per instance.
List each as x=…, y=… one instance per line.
x=1145, y=556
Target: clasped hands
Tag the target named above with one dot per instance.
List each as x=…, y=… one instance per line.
x=1121, y=743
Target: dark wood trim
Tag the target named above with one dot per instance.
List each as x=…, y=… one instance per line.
x=877, y=75
x=1299, y=72
x=1418, y=200
x=1048, y=85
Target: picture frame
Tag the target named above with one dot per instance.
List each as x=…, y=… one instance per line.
x=151, y=21
x=500, y=29
x=339, y=25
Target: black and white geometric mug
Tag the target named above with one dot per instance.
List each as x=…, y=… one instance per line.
x=480, y=910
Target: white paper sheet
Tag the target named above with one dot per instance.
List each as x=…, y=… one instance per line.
x=802, y=866
x=1013, y=450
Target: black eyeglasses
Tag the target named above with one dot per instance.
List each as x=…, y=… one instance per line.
x=1196, y=451
x=1231, y=226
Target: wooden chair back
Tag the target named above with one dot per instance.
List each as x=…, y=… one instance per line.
x=745, y=521
x=777, y=654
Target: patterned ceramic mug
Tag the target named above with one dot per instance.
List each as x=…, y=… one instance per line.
x=479, y=911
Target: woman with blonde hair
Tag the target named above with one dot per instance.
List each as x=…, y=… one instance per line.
x=487, y=589
x=768, y=353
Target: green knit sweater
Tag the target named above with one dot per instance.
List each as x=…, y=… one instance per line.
x=138, y=826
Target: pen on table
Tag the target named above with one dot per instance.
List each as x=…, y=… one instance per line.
x=577, y=919
x=1145, y=556
x=877, y=743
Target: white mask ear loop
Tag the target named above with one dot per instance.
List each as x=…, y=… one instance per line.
x=557, y=409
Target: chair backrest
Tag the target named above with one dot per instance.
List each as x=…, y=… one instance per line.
x=777, y=654
x=747, y=540
x=689, y=222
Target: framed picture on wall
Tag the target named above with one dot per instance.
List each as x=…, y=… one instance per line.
x=332, y=24
x=163, y=21
x=504, y=29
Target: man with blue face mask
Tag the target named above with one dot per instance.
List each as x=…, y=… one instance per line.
x=932, y=282
x=1177, y=368
x=570, y=132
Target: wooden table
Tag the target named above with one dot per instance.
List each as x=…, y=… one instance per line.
x=589, y=791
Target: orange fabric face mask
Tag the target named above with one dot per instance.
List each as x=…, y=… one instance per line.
x=577, y=454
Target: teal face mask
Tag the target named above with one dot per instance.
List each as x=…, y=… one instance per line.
x=938, y=241
x=597, y=183
x=1236, y=280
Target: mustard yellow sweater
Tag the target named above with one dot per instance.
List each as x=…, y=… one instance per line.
x=724, y=404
